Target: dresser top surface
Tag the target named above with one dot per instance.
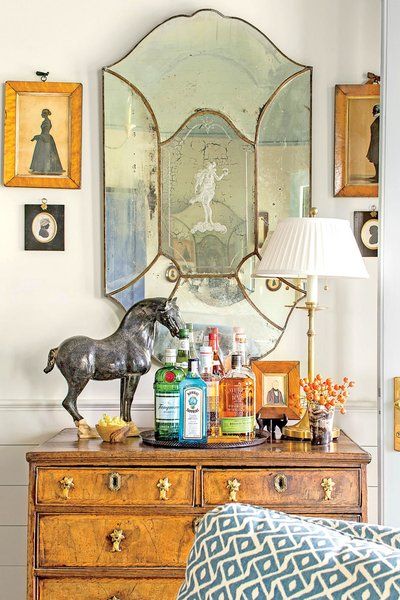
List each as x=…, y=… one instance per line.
x=65, y=447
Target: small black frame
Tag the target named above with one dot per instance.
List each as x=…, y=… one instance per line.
x=52, y=218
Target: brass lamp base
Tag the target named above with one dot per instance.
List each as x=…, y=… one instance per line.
x=301, y=430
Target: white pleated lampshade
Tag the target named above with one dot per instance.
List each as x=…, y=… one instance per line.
x=300, y=247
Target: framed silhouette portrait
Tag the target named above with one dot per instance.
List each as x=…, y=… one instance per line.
x=44, y=227
x=277, y=387
x=366, y=232
x=357, y=121
x=42, y=134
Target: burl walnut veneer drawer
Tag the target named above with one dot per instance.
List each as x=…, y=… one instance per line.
x=75, y=588
x=283, y=487
x=87, y=540
x=115, y=487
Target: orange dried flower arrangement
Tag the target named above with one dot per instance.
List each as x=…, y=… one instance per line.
x=325, y=393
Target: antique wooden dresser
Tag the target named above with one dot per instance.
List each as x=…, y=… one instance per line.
x=116, y=522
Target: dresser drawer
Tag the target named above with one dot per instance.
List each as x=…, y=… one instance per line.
x=75, y=588
x=85, y=540
x=283, y=487
x=115, y=487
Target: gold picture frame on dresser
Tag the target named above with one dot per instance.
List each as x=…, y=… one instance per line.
x=122, y=522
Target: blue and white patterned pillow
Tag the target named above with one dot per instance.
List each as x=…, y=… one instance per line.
x=243, y=552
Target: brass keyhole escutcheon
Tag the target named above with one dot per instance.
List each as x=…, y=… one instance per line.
x=114, y=482
x=280, y=483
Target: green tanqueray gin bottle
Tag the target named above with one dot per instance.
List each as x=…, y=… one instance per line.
x=166, y=398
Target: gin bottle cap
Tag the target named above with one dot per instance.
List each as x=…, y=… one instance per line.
x=236, y=361
x=170, y=355
x=193, y=365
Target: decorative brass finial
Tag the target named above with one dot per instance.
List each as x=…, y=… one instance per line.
x=313, y=211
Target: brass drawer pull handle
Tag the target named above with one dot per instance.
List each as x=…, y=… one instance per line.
x=280, y=483
x=233, y=486
x=116, y=537
x=327, y=485
x=67, y=484
x=114, y=482
x=163, y=486
x=195, y=523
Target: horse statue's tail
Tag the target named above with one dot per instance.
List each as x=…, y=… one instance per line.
x=51, y=361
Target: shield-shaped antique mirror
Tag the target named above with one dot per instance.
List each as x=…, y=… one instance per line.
x=207, y=144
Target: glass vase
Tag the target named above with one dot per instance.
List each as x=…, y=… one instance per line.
x=321, y=424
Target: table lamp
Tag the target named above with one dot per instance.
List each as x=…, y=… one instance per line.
x=308, y=248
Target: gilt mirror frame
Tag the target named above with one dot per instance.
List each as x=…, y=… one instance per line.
x=167, y=147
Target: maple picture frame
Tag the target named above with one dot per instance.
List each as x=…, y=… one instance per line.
x=287, y=376
x=42, y=134
x=353, y=170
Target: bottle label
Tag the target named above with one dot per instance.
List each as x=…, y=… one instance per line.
x=237, y=425
x=193, y=399
x=167, y=409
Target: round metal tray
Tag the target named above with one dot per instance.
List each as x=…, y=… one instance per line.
x=148, y=438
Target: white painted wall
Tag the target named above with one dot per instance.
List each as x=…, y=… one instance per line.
x=45, y=297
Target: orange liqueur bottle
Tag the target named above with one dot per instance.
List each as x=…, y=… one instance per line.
x=237, y=409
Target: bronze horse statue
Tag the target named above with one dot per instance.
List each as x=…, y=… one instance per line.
x=125, y=355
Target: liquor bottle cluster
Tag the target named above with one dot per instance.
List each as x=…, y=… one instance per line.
x=199, y=396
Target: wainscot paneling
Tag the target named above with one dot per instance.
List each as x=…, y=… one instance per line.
x=13, y=583
x=13, y=505
x=13, y=466
x=373, y=504
x=12, y=548
x=25, y=423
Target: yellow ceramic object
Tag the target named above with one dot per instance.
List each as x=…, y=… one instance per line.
x=113, y=433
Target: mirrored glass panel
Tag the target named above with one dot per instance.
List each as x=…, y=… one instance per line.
x=207, y=203
x=131, y=175
x=262, y=334
x=283, y=155
x=206, y=60
x=207, y=145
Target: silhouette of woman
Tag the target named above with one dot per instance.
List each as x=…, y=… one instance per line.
x=45, y=160
x=373, y=150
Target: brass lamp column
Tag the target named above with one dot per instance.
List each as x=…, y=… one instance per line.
x=308, y=248
x=301, y=430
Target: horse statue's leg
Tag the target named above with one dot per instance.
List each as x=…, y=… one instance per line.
x=70, y=404
x=127, y=392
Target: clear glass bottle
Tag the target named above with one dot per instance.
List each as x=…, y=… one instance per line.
x=183, y=349
x=212, y=382
x=241, y=345
x=192, y=346
x=193, y=406
x=218, y=367
x=237, y=405
x=233, y=349
x=166, y=398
